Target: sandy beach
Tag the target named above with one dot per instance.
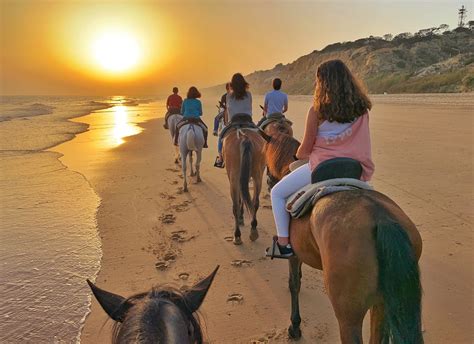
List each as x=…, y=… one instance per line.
x=423, y=155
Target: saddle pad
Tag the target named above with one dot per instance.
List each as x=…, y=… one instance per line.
x=231, y=126
x=305, y=198
x=274, y=118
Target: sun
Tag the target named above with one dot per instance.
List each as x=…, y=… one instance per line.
x=116, y=51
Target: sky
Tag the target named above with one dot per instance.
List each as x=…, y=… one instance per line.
x=145, y=48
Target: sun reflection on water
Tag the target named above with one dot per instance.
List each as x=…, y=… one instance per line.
x=122, y=125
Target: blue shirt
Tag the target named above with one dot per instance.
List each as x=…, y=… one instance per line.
x=275, y=101
x=191, y=108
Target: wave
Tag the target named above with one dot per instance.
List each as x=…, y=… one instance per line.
x=35, y=109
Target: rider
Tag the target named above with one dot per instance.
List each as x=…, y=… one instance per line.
x=192, y=111
x=238, y=102
x=337, y=125
x=276, y=101
x=222, y=104
x=173, y=105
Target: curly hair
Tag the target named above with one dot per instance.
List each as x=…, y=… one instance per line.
x=339, y=96
x=193, y=93
x=239, y=86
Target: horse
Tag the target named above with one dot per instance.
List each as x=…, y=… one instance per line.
x=368, y=250
x=172, y=123
x=244, y=160
x=281, y=126
x=161, y=315
x=191, y=139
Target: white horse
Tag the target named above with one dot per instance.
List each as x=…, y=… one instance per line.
x=191, y=138
x=172, y=123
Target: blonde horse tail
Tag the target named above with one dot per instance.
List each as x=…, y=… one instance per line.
x=245, y=169
x=399, y=282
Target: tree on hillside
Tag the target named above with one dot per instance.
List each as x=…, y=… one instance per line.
x=443, y=27
x=388, y=37
x=403, y=35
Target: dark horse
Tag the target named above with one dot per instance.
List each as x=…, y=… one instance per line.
x=161, y=315
x=368, y=250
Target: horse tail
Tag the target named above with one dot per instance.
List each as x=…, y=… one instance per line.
x=399, y=282
x=245, y=169
x=190, y=139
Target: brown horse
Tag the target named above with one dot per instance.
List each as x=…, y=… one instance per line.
x=244, y=160
x=282, y=126
x=368, y=250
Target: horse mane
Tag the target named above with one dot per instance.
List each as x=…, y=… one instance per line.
x=140, y=316
x=280, y=151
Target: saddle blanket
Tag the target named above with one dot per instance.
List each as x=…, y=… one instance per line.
x=305, y=198
x=238, y=122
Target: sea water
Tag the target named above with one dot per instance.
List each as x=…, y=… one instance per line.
x=49, y=243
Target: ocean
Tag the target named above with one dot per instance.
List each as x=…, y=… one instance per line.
x=49, y=243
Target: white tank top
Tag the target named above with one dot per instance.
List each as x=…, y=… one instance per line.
x=327, y=128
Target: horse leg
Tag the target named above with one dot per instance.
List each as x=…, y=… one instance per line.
x=294, y=282
x=376, y=323
x=241, y=215
x=235, y=195
x=183, y=168
x=176, y=155
x=198, y=165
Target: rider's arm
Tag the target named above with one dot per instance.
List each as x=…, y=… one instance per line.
x=168, y=103
x=265, y=106
x=200, y=108
x=310, y=132
x=285, y=106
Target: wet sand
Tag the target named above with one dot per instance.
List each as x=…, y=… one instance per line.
x=423, y=155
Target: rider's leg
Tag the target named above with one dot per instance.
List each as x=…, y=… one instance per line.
x=165, y=125
x=216, y=124
x=280, y=192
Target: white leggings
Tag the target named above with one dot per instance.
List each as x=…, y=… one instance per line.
x=282, y=190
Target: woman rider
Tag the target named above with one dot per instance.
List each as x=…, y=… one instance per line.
x=337, y=125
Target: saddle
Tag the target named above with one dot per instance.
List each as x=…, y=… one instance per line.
x=330, y=176
x=274, y=117
x=238, y=121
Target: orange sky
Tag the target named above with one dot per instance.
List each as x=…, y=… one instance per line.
x=46, y=49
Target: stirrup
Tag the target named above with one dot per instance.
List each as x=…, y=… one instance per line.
x=274, y=251
x=219, y=164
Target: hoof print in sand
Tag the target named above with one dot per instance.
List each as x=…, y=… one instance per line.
x=228, y=238
x=180, y=236
x=167, y=218
x=183, y=276
x=238, y=263
x=183, y=206
x=164, y=195
x=166, y=261
x=235, y=299
x=172, y=170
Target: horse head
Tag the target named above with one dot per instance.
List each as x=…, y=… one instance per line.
x=161, y=315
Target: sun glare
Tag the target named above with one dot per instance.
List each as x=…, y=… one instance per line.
x=116, y=52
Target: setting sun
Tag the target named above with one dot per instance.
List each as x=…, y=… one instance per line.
x=116, y=52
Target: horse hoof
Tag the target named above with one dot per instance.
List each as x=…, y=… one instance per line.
x=198, y=180
x=237, y=241
x=294, y=333
x=253, y=234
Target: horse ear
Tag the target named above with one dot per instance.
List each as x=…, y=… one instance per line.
x=265, y=136
x=114, y=305
x=195, y=296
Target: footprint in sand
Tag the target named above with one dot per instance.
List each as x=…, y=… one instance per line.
x=172, y=170
x=235, y=299
x=180, y=236
x=174, y=182
x=228, y=238
x=238, y=263
x=167, y=218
